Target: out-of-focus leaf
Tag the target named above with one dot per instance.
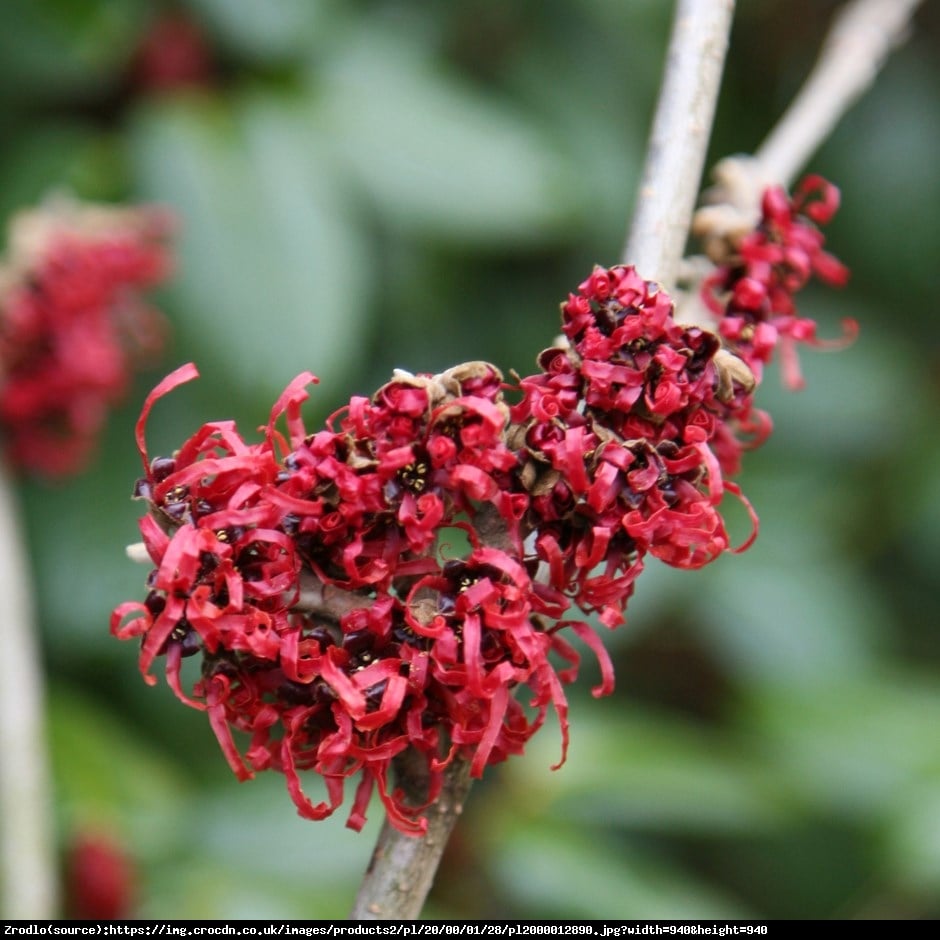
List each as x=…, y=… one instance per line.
x=39, y=161
x=855, y=748
x=889, y=181
x=784, y=622
x=273, y=276
x=920, y=506
x=597, y=95
x=850, y=408
x=247, y=852
x=648, y=772
x=270, y=817
x=561, y=872
x=437, y=156
x=106, y=775
x=269, y=31
x=913, y=838
x=790, y=609
x=55, y=47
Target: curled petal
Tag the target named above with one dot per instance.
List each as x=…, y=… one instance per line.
x=289, y=404
x=304, y=807
x=735, y=490
x=183, y=374
x=136, y=626
x=155, y=539
x=474, y=482
x=402, y=817
x=217, y=692
x=497, y=711
x=593, y=642
x=174, y=659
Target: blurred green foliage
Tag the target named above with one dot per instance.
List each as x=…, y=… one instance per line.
x=389, y=183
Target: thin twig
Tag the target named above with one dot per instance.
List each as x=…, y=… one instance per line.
x=681, y=129
x=26, y=841
x=861, y=37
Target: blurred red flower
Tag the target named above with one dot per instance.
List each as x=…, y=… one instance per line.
x=73, y=325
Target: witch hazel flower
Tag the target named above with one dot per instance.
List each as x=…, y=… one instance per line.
x=73, y=324
x=616, y=433
x=400, y=648
x=339, y=632
x=760, y=271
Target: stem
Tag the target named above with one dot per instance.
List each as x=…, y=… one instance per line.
x=26, y=841
x=861, y=37
x=681, y=129
x=402, y=868
x=327, y=600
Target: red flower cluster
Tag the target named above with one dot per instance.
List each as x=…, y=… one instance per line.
x=248, y=539
x=752, y=291
x=71, y=323
x=618, y=432
x=309, y=571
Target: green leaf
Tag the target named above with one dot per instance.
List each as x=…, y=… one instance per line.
x=270, y=31
x=438, y=156
x=65, y=47
x=39, y=160
x=855, y=748
x=645, y=771
x=785, y=622
x=104, y=775
x=242, y=849
x=883, y=229
x=849, y=409
x=273, y=273
x=912, y=841
x=560, y=872
x=793, y=608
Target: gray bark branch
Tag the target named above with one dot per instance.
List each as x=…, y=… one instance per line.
x=679, y=139
x=403, y=867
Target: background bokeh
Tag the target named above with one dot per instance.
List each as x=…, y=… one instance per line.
x=370, y=185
